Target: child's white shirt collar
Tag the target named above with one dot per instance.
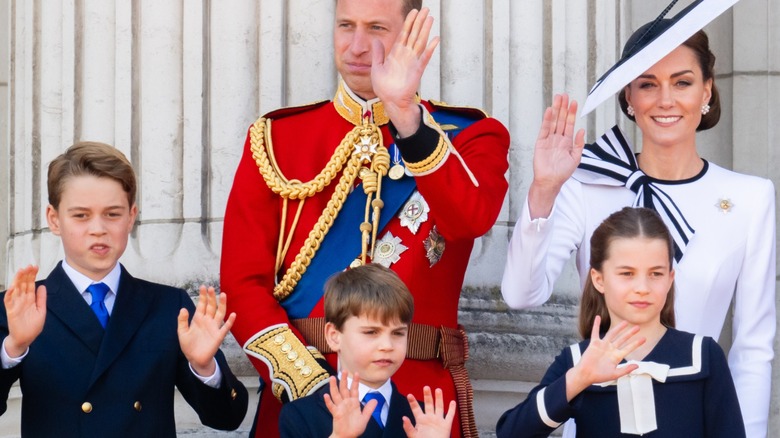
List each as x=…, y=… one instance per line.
x=386, y=390
x=81, y=282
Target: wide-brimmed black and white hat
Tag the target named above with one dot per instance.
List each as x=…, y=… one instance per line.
x=651, y=43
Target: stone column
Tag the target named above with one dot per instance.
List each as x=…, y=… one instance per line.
x=4, y=73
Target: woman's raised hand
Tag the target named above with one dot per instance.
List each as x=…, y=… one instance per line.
x=556, y=155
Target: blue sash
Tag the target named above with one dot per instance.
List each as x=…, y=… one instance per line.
x=342, y=244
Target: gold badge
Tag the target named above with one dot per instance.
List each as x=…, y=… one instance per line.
x=434, y=246
x=396, y=172
x=724, y=205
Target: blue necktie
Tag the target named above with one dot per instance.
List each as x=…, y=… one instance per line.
x=99, y=291
x=377, y=414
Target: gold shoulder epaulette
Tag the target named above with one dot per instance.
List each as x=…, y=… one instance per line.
x=467, y=111
x=292, y=110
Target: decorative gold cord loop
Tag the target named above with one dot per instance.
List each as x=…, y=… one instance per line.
x=347, y=156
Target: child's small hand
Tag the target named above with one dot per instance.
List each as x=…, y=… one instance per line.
x=200, y=339
x=343, y=403
x=432, y=422
x=599, y=362
x=25, y=309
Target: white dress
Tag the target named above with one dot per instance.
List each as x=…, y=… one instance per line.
x=731, y=255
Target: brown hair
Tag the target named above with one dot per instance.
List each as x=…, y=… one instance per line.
x=700, y=44
x=624, y=224
x=371, y=290
x=90, y=158
x=408, y=5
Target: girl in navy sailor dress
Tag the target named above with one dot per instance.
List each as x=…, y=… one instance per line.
x=642, y=377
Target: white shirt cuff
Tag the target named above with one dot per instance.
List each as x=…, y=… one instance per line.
x=212, y=381
x=9, y=362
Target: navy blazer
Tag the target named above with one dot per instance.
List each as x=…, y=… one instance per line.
x=80, y=380
x=308, y=417
x=698, y=398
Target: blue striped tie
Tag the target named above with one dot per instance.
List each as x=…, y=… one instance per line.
x=99, y=291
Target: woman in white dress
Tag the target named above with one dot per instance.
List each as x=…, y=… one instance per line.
x=723, y=222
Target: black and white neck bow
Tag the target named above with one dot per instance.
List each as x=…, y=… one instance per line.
x=611, y=161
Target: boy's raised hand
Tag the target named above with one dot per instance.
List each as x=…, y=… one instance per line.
x=200, y=338
x=343, y=403
x=432, y=422
x=25, y=309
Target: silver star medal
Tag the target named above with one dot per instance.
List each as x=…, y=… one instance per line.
x=724, y=205
x=388, y=250
x=365, y=149
x=414, y=212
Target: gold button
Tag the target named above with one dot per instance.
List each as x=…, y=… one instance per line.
x=299, y=363
x=86, y=407
x=279, y=339
x=286, y=347
x=233, y=394
x=306, y=371
x=137, y=406
x=291, y=356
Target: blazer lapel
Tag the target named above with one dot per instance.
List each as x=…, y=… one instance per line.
x=66, y=304
x=130, y=309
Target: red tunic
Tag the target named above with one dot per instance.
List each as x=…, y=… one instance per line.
x=303, y=141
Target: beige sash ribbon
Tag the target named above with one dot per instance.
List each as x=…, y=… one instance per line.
x=636, y=400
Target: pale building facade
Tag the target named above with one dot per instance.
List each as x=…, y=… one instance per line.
x=175, y=84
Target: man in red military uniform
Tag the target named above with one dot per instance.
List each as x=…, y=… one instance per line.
x=374, y=176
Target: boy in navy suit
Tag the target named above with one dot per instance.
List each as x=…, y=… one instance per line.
x=98, y=352
x=367, y=312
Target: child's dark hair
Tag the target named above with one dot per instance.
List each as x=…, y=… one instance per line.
x=371, y=290
x=624, y=224
x=90, y=158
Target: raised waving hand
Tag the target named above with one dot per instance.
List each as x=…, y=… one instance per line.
x=557, y=154
x=25, y=309
x=396, y=75
x=200, y=338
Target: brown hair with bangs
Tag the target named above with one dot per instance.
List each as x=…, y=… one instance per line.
x=93, y=159
x=370, y=290
x=627, y=223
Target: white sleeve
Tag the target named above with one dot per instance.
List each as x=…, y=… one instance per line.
x=539, y=249
x=753, y=330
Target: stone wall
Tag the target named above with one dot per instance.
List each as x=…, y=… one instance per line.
x=174, y=85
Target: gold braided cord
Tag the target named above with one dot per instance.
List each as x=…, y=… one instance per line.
x=280, y=257
x=312, y=243
x=294, y=189
x=380, y=165
x=344, y=158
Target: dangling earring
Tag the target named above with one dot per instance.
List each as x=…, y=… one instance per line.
x=630, y=110
x=705, y=109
